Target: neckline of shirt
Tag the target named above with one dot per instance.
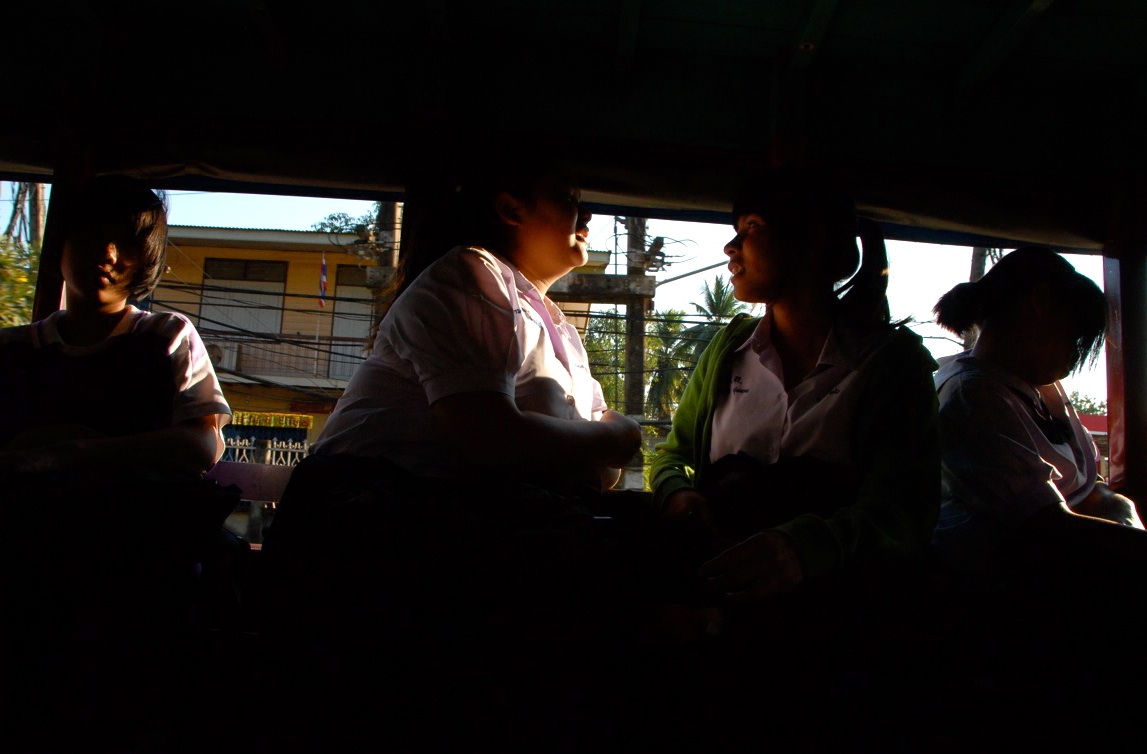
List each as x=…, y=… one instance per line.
x=49, y=331
x=836, y=350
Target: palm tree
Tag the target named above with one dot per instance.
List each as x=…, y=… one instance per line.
x=667, y=357
x=605, y=345
x=718, y=306
x=674, y=348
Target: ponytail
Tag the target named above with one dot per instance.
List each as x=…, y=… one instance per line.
x=960, y=309
x=864, y=298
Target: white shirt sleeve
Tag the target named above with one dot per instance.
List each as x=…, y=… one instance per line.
x=599, y=404
x=197, y=389
x=455, y=326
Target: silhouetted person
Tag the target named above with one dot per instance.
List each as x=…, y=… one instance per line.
x=805, y=444
x=1051, y=555
x=111, y=416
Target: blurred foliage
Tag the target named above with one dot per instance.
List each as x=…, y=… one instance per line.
x=341, y=222
x=1085, y=404
x=18, y=266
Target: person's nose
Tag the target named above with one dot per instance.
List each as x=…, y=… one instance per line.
x=111, y=254
x=733, y=246
x=583, y=215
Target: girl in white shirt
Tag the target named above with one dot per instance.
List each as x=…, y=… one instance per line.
x=1019, y=469
x=451, y=479
x=101, y=384
x=474, y=370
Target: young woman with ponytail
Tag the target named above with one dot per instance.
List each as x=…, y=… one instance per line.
x=805, y=443
x=1021, y=489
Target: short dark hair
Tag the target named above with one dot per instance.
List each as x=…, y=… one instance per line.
x=995, y=296
x=467, y=216
x=517, y=169
x=124, y=211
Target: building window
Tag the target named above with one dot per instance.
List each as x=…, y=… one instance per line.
x=352, y=324
x=241, y=295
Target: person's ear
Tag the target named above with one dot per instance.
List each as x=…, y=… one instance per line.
x=508, y=208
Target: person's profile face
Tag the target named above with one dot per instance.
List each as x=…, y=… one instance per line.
x=758, y=266
x=552, y=231
x=1054, y=344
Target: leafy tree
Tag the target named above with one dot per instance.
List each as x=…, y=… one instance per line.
x=668, y=358
x=670, y=364
x=18, y=267
x=1085, y=404
x=341, y=222
x=605, y=345
x=671, y=348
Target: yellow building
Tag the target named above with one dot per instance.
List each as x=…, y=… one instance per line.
x=282, y=357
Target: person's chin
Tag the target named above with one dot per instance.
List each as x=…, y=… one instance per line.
x=743, y=293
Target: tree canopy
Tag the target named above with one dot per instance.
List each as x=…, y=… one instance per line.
x=341, y=222
x=672, y=347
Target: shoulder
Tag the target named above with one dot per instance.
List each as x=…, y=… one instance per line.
x=173, y=326
x=736, y=332
x=903, y=343
x=895, y=351
x=18, y=335
x=964, y=375
x=727, y=339
x=975, y=392
x=176, y=333
x=466, y=270
x=35, y=335
x=468, y=262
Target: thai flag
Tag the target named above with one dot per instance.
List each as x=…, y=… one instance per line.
x=323, y=284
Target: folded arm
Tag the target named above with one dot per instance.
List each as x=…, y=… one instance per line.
x=190, y=447
x=489, y=431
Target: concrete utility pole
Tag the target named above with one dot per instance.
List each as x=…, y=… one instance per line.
x=635, y=320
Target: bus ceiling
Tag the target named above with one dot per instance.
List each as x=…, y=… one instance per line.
x=997, y=121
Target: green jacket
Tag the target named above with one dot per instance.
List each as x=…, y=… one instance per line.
x=895, y=445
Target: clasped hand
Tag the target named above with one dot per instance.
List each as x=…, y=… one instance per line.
x=762, y=566
x=626, y=437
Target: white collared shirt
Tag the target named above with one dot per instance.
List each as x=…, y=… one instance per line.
x=195, y=387
x=759, y=418
x=996, y=455
x=471, y=322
